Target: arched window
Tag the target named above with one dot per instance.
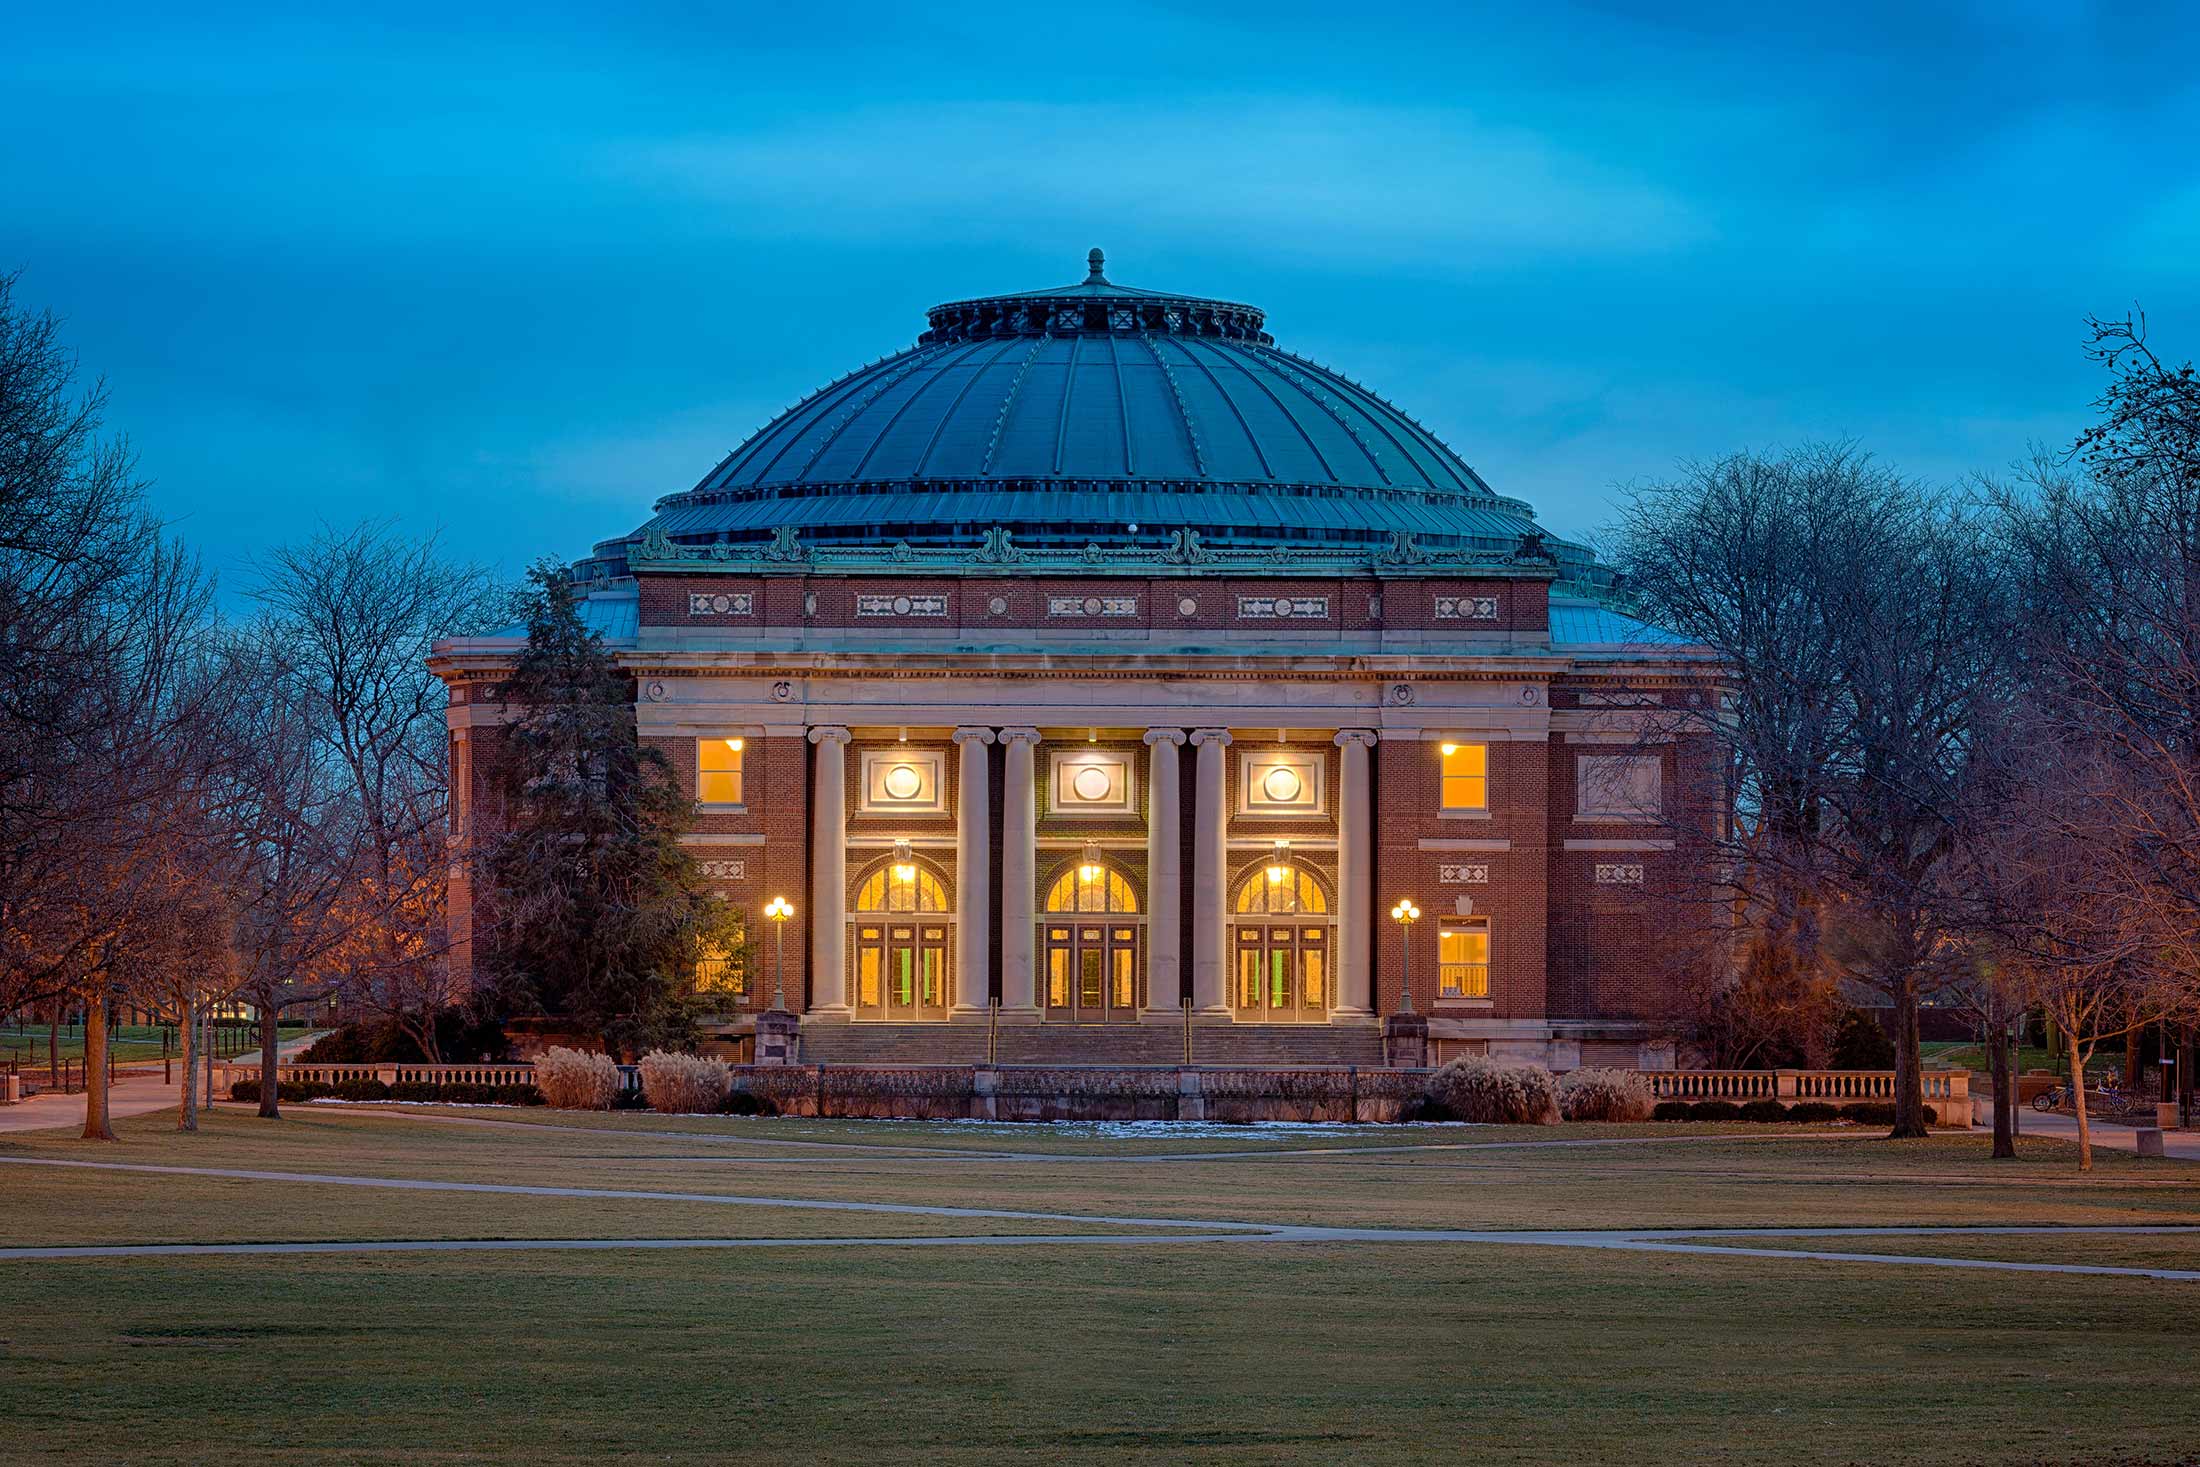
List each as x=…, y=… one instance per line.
x=1281, y=889
x=900, y=886
x=1087, y=887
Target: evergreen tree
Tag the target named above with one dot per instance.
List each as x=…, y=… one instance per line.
x=598, y=913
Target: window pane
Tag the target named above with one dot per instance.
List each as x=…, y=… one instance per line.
x=718, y=771
x=1466, y=777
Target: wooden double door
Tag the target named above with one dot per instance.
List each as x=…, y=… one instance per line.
x=1093, y=969
x=1283, y=972
x=901, y=973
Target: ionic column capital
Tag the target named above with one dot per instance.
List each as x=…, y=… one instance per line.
x=1165, y=736
x=829, y=734
x=1012, y=736
x=1346, y=737
x=973, y=736
x=1204, y=736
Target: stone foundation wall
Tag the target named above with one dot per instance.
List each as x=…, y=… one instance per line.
x=1084, y=1093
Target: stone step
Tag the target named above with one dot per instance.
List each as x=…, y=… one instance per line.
x=1124, y=1044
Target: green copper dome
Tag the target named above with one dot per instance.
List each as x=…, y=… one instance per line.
x=1102, y=417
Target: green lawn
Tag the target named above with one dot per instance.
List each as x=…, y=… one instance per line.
x=132, y=1043
x=1050, y=1352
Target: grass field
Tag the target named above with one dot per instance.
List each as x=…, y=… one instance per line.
x=1333, y=1349
x=132, y=1044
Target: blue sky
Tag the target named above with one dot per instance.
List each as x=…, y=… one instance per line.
x=513, y=275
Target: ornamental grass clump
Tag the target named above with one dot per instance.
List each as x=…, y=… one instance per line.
x=684, y=1084
x=571, y=1080
x=1604, y=1095
x=1488, y=1093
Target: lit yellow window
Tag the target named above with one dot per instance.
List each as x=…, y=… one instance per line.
x=719, y=971
x=718, y=771
x=1466, y=776
x=1463, y=962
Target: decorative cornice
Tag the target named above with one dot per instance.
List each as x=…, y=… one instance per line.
x=1183, y=552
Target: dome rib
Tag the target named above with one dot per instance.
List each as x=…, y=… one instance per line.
x=1239, y=365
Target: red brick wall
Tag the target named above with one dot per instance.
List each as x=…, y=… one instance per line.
x=1409, y=806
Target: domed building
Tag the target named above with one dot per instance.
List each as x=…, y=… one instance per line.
x=1095, y=678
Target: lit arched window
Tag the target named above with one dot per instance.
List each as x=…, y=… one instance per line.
x=901, y=887
x=1281, y=889
x=1090, y=888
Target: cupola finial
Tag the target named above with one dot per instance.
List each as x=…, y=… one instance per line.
x=1097, y=261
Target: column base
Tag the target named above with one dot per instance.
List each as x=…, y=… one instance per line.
x=1351, y=1016
x=1161, y=1016
x=829, y=1014
x=1021, y=1016
x=967, y=1014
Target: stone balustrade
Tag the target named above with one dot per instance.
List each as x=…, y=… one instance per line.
x=389, y=1074
x=1831, y=1087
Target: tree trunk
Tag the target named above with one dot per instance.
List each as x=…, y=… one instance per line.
x=2005, y=1096
x=1909, y=1079
x=206, y=1047
x=96, y=1126
x=268, y=1078
x=187, y=1114
x=53, y=1045
x=2077, y=1098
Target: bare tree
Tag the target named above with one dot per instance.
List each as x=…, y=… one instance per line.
x=1852, y=611
x=355, y=614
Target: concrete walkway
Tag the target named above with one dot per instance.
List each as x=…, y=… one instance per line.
x=133, y=1093
x=2107, y=1135
x=1179, y=1231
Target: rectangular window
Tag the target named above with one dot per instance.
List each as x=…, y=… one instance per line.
x=1466, y=776
x=718, y=971
x=718, y=771
x=1618, y=787
x=1463, y=960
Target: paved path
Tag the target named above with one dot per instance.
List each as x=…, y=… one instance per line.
x=134, y=1093
x=2107, y=1135
x=1181, y=1230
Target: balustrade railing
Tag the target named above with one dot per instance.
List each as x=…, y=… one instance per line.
x=1835, y=1087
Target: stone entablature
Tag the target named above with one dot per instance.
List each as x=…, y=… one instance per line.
x=1455, y=607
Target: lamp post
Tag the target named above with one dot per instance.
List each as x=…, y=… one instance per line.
x=779, y=911
x=1405, y=914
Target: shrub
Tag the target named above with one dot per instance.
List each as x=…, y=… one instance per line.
x=1482, y=1090
x=571, y=1080
x=362, y=1089
x=1714, y=1110
x=1603, y=1095
x=296, y=1091
x=1882, y=1114
x=1672, y=1110
x=1758, y=1112
x=742, y=1103
x=1813, y=1110
x=684, y=1084
x=1860, y=1044
x=383, y=1042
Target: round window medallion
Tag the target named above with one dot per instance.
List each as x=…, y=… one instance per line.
x=656, y=692
x=1092, y=606
x=1186, y=606
x=901, y=606
x=902, y=782
x=1281, y=785
x=998, y=606
x=1091, y=784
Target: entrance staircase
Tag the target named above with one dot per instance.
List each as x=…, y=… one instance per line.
x=1275, y=1045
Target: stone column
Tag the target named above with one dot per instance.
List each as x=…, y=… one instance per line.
x=1210, y=875
x=1164, y=876
x=1019, y=869
x=973, y=876
x=829, y=874
x=1355, y=997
